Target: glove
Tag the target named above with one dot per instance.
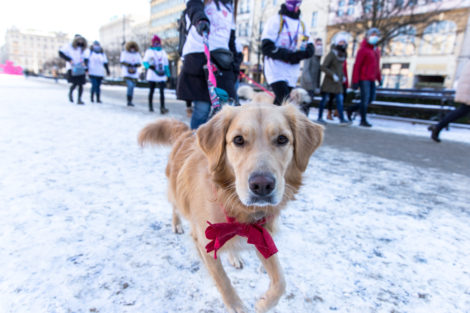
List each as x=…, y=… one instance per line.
x=202, y=27
x=380, y=83
x=335, y=78
x=297, y=56
x=108, y=73
x=355, y=86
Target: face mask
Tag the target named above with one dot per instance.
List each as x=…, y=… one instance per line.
x=80, y=44
x=341, y=48
x=132, y=50
x=158, y=48
x=319, y=50
x=96, y=48
x=293, y=5
x=373, y=40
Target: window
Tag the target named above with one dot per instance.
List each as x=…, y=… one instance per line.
x=439, y=38
x=402, y=43
x=314, y=20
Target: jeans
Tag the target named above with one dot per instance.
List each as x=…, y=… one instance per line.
x=339, y=104
x=95, y=84
x=367, y=88
x=201, y=112
x=130, y=82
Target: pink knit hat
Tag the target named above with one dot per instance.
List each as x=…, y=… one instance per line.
x=156, y=40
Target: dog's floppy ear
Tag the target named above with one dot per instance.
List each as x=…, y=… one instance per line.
x=308, y=136
x=211, y=137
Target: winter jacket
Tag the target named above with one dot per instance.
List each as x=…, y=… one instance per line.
x=192, y=81
x=311, y=73
x=332, y=65
x=462, y=94
x=367, y=65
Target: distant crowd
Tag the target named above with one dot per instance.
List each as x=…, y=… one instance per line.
x=212, y=24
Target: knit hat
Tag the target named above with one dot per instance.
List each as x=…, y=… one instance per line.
x=156, y=41
x=373, y=31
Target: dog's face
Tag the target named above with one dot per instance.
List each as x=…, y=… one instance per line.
x=256, y=145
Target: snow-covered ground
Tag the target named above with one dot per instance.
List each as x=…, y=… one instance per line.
x=85, y=224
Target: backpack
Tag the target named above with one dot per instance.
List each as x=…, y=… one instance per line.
x=183, y=30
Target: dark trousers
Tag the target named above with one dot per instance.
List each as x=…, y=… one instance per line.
x=368, y=89
x=80, y=91
x=161, y=86
x=281, y=91
x=462, y=111
x=95, y=86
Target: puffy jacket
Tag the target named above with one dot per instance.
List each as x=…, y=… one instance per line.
x=367, y=65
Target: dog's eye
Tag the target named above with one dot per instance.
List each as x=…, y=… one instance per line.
x=239, y=141
x=282, y=140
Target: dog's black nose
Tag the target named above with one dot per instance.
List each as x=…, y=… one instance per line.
x=262, y=184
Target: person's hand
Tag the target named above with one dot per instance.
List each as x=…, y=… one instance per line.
x=380, y=83
x=355, y=86
x=335, y=78
x=202, y=27
x=108, y=73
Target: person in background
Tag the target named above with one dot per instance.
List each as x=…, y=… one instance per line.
x=330, y=114
x=130, y=61
x=215, y=17
x=74, y=55
x=156, y=63
x=332, y=86
x=462, y=96
x=365, y=73
x=97, y=63
x=310, y=79
x=281, y=37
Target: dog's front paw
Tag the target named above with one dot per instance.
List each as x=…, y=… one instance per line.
x=238, y=309
x=178, y=229
x=262, y=305
x=235, y=260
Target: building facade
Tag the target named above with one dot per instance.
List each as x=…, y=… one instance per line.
x=31, y=49
x=118, y=31
x=430, y=53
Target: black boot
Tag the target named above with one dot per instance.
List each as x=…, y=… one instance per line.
x=80, y=101
x=163, y=110
x=92, y=98
x=98, y=98
x=365, y=123
x=129, y=101
x=349, y=114
x=434, y=133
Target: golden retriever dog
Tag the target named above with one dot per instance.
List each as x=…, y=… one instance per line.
x=239, y=169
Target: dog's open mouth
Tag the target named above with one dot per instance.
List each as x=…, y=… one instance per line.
x=262, y=201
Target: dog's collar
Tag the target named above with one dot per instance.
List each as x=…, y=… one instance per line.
x=256, y=234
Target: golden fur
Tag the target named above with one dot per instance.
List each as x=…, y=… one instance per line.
x=208, y=170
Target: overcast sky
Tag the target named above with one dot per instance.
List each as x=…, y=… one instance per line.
x=83, y=17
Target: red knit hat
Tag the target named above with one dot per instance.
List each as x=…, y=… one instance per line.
x=156, y=40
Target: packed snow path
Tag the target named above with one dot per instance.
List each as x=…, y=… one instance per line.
x=85, y=224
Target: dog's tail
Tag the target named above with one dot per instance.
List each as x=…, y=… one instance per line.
x=162, y=132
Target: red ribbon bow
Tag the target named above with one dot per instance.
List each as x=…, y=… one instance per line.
x=257, y=235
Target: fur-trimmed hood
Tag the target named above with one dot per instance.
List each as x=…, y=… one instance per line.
x=77, y=39
x=132, y=44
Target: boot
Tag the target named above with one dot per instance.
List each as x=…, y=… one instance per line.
x=329, y=116
x=163, y=110
x=98, y=98
x=349, y=114
x=80, y=102
x=129, y=101
x=365, y=123
x=150, y=107
x=434, y=133
x=92, y=98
